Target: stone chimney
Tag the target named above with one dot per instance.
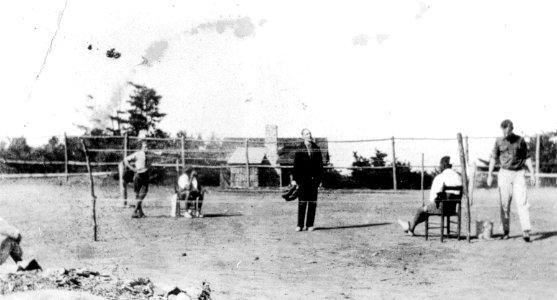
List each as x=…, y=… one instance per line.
x=271, y=143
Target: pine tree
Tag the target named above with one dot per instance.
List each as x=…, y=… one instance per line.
x=144, y=114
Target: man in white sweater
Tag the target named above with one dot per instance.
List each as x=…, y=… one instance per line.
x=447, y=177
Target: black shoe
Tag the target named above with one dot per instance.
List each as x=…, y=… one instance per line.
x=526, y=236
x=505, y=235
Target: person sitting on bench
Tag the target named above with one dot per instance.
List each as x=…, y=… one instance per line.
x=447, y=177
x=191, y=191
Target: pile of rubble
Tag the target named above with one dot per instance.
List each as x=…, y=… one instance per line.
x=107, y=286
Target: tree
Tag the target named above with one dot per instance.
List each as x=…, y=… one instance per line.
x=18, y=149
x=144, y=114
x=371, y=178
x=379, y=159
x=383, y=178
x=548, y=155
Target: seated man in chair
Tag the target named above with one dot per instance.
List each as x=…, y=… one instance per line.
x=446, y=178
x=191, y=191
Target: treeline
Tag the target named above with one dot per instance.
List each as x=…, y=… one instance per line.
x=381, y=178
x=50, y=158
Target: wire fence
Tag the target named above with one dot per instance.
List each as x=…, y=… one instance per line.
x=407, y=162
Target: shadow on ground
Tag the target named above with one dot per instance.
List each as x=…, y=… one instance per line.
x=352, y=226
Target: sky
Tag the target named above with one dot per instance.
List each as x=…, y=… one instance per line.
x=346, y=70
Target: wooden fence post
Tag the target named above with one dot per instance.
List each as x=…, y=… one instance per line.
x=66, y=156
x=122, y=184
x=394, y=165
x=122, y=171
x=464, y=182
x=538, y=146
x=466, y=149
x=125, y=144
x=183, y=152
x=247, y=164
x=472, y=183
x=94, y=198
x=422, y=182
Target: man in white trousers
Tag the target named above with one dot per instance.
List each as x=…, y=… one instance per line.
x=512, y=152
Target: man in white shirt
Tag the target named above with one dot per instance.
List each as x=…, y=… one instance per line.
x=192, y=192
x=141, y=177
x=447, y=177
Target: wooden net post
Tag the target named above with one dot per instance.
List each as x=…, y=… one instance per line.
x=422, y=181
x=466, y=149
x=126, y=144
x=472, y=183
x=122, y=184
x=121, y=172
x=94, y=198
x=66, y=157
x=538, y=146
x=464, y=183
x=394, y=164
x=183, y=152
x=247, y=164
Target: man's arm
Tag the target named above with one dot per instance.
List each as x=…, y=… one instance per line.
x=530, y=167
x=524, y=152
x=296, y=169
x=494, y=156
x=436, y=188
x=319, y=161
x=490, y=171
x=127, y=162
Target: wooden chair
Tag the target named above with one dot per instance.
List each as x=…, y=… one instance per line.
x=449, y=206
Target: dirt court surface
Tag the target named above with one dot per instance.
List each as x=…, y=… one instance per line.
x=246, y=246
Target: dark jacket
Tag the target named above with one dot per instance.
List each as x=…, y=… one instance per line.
x=308, y=170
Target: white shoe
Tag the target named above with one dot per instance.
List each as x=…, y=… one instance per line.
x=405, y=225
x=187, y=215
x=298, y=229
x=199, y=215
x=311, y=228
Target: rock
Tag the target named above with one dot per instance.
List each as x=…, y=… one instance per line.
x=182, y=296
x=147, y=290
x=206, y=292
x=157, y=291
x=174, y=291
x=29, y=265
x=54, y=272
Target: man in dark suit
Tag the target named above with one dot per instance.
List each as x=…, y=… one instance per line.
x=307, y=174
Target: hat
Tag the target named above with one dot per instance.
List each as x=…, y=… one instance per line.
x=291, y=193
x=445, y=162
x=506, y=123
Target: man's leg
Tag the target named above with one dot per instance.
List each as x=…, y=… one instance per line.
x=420, y=217
x=302, y=204
x=200, y=201
x=312, y=207
x=137, y=191
x=196, y=202
x=142, y=195
x=522, y=205
x=505, y=196
x=190, y=203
